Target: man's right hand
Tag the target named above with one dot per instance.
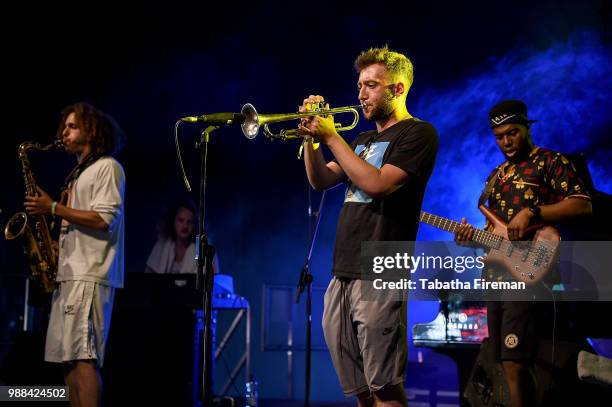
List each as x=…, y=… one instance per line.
x=464, y=233
x=311, y=102
x=322, y=128
x=321, y=175
x=55, y=248
x=308, y=105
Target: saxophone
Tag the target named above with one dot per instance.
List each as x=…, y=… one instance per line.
x=37, y=242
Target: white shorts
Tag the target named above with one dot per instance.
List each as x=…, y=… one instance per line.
x=79, y=322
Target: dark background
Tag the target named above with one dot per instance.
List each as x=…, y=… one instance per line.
x=149, y=66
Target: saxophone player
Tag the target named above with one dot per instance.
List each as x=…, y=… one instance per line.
x=91, y=255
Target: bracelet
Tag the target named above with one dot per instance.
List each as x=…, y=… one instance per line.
x=53, y=206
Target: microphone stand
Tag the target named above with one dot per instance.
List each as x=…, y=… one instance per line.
x=205, y=275
x=305, y=283
x=205, y=253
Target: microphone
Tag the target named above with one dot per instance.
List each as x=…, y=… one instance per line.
x=217, y=119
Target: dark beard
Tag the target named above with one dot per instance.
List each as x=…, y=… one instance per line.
x=523, y=153
x=382, y=111
x=518, y=157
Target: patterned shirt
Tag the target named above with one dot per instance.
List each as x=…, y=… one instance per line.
x=545, y=177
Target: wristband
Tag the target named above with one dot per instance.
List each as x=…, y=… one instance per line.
x=315, y=145
x=310, y=140
x=53, y=206
x=537, y=212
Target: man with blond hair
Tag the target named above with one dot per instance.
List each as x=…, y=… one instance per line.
x=386, y=171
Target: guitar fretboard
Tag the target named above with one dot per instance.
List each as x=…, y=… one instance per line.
x=480, y=236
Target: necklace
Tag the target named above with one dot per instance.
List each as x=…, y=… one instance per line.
x=503, y=175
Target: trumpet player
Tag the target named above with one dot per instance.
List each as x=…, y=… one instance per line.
x=90, y=249
x=386, y=171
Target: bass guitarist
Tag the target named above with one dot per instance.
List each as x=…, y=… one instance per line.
x=533, y=186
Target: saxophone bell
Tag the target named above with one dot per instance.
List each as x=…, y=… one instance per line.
x=16, y=226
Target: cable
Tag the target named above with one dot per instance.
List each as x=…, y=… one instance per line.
x=178, y=155
x=554, y=328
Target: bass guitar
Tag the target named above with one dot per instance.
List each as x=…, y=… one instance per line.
x=527, y=261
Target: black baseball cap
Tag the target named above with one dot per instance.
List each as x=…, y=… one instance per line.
x=509, y=111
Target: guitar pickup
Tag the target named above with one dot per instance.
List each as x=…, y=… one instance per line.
x=526, y=253
x=540, y=256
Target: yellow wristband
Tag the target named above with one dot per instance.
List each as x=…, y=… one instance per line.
x=307, y=140
x=315, y=146
x=53, y=206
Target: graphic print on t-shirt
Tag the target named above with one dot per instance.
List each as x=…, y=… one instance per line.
x=374, y=156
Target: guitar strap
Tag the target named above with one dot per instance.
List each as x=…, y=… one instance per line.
x=484, y=196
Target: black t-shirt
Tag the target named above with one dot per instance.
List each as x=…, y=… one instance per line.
x=410, y=145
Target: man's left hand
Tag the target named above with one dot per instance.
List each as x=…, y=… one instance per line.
x=321, y=128
x=518, y=225
x=38, y=205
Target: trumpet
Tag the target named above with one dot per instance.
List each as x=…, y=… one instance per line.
x=253, y=121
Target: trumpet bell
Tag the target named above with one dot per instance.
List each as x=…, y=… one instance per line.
x=250, y=127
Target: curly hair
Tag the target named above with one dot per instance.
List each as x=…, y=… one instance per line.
x=398, y=65
x=166, y=225
x=106, y=135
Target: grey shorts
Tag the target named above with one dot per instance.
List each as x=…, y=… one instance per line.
x=366, y=339
x=79, y=322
